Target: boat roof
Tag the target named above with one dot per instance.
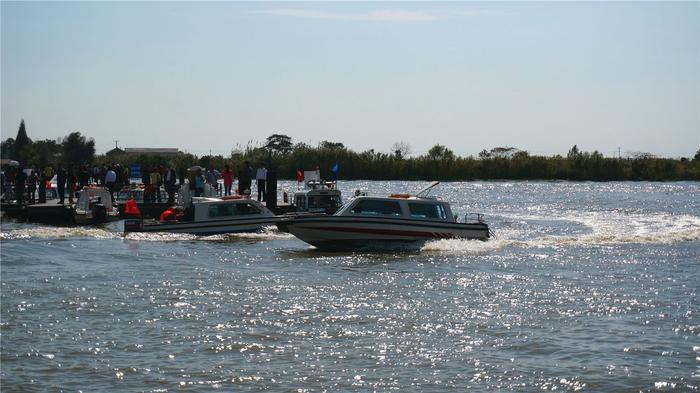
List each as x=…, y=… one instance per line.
x=222, y=200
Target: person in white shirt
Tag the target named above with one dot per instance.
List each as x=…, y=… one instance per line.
x=110, y=180
x=261, y=177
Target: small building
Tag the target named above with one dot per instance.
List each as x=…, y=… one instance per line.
x=160, y=151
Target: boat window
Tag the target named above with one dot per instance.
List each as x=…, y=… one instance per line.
x=245, y=208
x=324, y=201
x=427, y=210
x=374, y=207
x=221, y=210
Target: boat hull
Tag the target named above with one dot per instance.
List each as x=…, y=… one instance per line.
x=201, y=228
x=350, y=233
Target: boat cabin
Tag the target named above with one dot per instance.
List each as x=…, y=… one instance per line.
x=318, y=197
x=136, y=192
x=89, y=196
x=399, y=206
x=212, y=209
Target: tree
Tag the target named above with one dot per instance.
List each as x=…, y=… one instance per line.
x=22, y=147
x=401, y=150
x=331, y=145
x=573, y=153
x=279, y=143
x=697, y=156
x=77, y=149
x=440, y=152
x=45, y=152
x=7, y=148
x=503, y=152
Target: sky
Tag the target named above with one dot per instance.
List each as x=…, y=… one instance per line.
x=209, y=77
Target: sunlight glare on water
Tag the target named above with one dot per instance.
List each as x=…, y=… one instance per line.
x=586, y=287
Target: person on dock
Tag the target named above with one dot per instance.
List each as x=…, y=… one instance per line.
x=156, y=183
x=261, y=177
x=31, y=187
x=125, y=173
x=169, y=179
x=72, y=180
x=83, y=177
x=110, y=180
x=61, y=183
x=227, y=175
x=213, y=179
x=146, y=181
x=20, y=183
x=181, y=175
x=95, y=174
x=41, y=180
x=199, y=181
x=245, y=178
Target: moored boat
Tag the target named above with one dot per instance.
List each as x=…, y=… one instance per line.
x=94, y=206
x=396, y=221
x=211, y=216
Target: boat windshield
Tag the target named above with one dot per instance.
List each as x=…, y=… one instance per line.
x=324, y=201
x=228, y=210
x=427, y=210
x=377, y=207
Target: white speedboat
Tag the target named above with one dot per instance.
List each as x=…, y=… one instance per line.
x=212, y=216
x=94, y=206
x=396, y=221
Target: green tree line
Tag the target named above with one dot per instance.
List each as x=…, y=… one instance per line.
x=281, y=154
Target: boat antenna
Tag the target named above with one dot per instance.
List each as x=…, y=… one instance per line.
x=426, y=190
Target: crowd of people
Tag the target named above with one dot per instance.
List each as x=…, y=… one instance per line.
x=30, y=185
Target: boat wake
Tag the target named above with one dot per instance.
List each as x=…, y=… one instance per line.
x=58, y=233
x=604, y=229
x=45, y=232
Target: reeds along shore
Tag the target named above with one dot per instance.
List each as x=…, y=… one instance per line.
x=439, y=163
x=371, y=165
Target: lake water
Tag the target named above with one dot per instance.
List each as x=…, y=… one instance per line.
x=587, y=287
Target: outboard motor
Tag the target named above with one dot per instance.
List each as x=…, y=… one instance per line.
x=99, y=210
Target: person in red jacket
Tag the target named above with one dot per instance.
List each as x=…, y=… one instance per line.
x=227, y=175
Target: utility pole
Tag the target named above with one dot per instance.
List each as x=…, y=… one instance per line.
x=619, y=156
x=115, y=144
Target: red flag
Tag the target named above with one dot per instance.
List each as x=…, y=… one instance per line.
x=131, y=209
x=300, y=176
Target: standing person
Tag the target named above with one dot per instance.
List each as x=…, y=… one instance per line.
x=83, y=177
x=245, y=178
x=31, y=187
x=127, y=172
x=41, y=179
x=95, y=174
x=213, y=179
x=181, y=175
x=72, y=180
x=156, y=182
x=198, y=182
x=261, y=177
x=120, y=175
x=169, y=180
x=61, y=183
x=146, y=181
x=110, y=180
x=20, y=185
x=227, y=175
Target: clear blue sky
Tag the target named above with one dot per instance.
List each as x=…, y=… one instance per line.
x=209, y=76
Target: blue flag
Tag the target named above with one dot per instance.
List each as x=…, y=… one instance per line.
x=334, y=172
